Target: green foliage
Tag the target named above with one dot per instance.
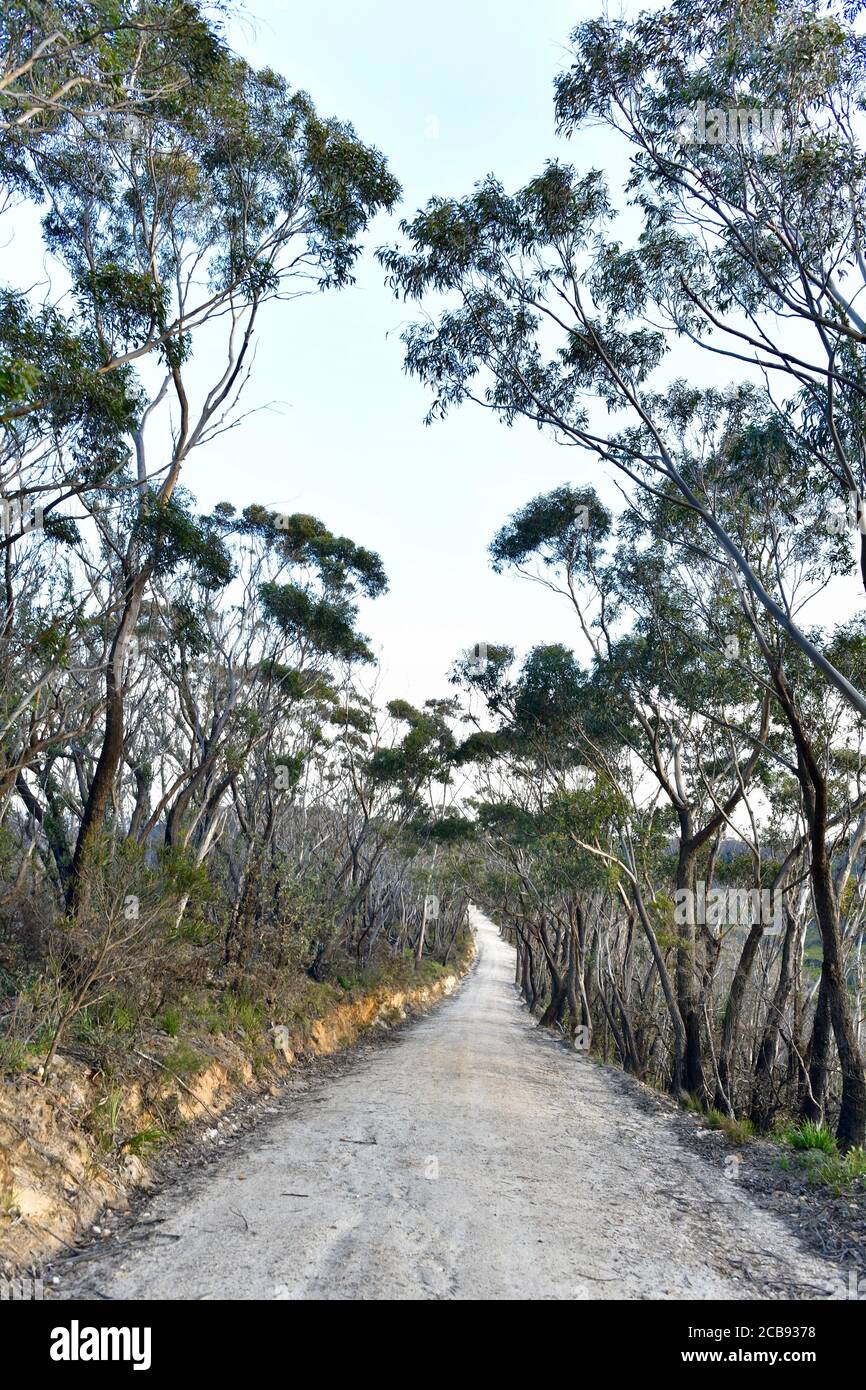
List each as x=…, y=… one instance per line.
x=245, y=1015
x=304, y=541
x=18, y=379
x=450, y=830
x=327, y=623
x=425, y=751
x=564, y=528
x=550, y=691
x=174, y=537
x=112, y=1017
x=171, y=1020
x=50, y=381
x=103, y=1119
x=14, y=1056
x=843, y=1174
x=811, y=1136
x=144, y=1141
x=739, y=1131
x=184, y=1061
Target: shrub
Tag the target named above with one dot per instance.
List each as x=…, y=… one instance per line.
x=738, y=1131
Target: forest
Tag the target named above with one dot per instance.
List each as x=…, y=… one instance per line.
x=209, y=820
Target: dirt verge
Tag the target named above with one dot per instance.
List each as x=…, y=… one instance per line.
x=82, y=1142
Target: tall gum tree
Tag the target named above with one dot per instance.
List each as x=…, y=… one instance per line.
x=747, y=246
x=216, y=198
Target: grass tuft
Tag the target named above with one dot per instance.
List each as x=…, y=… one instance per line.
x=144, y=1141
x=809, y=1136
x=184, y=1061
x=14, y=1055
x=738, y=1131
x=171, y=1021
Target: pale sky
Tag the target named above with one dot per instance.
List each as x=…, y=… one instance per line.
x=449, y=94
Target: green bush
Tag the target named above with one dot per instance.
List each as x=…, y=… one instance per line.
x=842, y=1173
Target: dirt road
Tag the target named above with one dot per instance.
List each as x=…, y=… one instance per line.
x=472, y=1156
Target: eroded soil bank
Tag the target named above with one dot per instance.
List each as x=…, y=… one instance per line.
x=81, y=1143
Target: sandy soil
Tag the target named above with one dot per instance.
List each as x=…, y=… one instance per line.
x=474, y=1156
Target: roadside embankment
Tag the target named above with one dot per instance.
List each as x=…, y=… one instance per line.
x=85, y=1139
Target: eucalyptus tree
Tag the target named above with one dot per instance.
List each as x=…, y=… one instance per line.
x=551, y=318
x=535, y=782
x=657, y=680
x=69, y=62
x=691, y=688
x=754, y=479
x=219, y=197
x=247, y=679
x=281, y=819
x=413, y=778
x=747, y=168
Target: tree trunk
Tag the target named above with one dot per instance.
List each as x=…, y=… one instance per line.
x=111, y=752
x=691, y=1077
x=761, y=1106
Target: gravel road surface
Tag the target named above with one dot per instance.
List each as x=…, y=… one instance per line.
x=470, y=1156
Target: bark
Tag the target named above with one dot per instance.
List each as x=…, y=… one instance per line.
x=851, y=1127
x=111, y=753
x=691, y=1068
x=761, y=1108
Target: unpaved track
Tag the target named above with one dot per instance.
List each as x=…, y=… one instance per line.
x=472, y=1157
